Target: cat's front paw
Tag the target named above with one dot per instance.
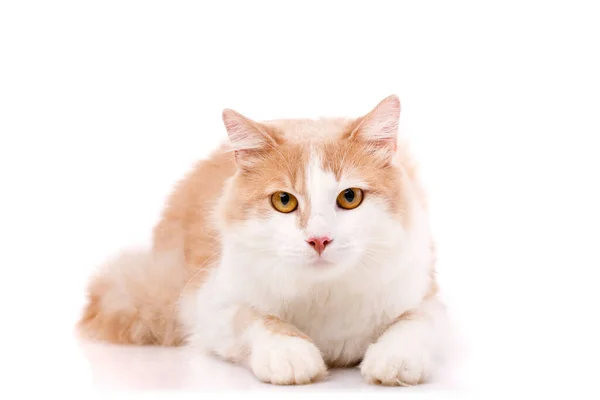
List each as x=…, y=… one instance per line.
x=287, y=360
x=400, y=363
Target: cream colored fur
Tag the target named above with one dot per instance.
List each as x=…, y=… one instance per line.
x=230, y=276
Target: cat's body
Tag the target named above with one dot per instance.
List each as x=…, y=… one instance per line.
x=288, y=292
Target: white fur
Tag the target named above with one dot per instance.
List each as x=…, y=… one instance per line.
x=407, y=352
x=377, y=271
x=323, y=190
x=283, y=359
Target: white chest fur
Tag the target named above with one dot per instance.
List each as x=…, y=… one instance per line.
x=342, y=316
x=345, y=317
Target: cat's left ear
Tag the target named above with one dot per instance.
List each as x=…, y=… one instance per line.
x=379, y=127
x=248, y=138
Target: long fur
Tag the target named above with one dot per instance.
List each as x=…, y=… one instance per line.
x=133, y=299
x=229, y=275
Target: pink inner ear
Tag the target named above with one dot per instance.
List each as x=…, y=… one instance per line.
x=380, y=125
x=247, y=137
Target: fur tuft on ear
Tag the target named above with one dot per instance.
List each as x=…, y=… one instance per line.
x=247, y=137
x=380, y=126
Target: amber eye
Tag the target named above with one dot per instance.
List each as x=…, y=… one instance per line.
x=284, y=202
x=350, y=198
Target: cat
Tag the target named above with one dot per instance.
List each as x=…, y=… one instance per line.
x=296, y=246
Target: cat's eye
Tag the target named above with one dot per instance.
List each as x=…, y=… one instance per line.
x=284, y=202
x=350, y=198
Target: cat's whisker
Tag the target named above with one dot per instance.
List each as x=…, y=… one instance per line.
x=374, y=258
x=201, y=268
x=260, y=296
x=285, y=161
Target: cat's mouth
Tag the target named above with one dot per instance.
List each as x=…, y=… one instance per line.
x=321, y=262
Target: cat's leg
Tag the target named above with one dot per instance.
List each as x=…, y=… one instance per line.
x=405, y=354
x=275, y=351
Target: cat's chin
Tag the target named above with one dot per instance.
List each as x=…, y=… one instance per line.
x=322, y=263
x=324, y=268
x=321, y=271
x=328, y=263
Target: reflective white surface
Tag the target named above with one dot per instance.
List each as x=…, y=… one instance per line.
x=155, y=368
x=104, y=105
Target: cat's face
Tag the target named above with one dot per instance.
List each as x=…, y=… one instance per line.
x=315, y=197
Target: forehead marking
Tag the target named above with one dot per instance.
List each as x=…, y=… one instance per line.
x=320, y=193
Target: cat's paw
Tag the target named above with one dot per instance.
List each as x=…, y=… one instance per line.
x=287, y=360
x=398, y=363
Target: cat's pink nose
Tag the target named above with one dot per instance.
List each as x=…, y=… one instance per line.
x=319, y=243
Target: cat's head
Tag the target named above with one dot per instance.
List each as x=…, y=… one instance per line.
x=314, y=196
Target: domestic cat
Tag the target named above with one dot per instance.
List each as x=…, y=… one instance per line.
x=297, y=246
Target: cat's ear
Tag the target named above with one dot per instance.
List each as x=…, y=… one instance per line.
x=379, y=127
x=248, y=138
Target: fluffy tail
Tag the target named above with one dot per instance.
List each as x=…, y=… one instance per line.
x=133, y=299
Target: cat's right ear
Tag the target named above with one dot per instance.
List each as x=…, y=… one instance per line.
x=248, y=138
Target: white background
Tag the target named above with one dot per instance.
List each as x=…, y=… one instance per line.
x=104, y=105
